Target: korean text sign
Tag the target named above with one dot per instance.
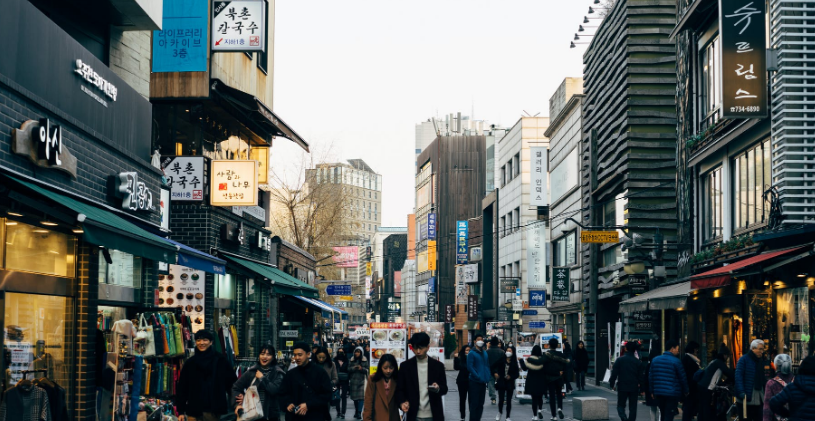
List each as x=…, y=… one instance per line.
x=560, y=284
x=185, y=174
x=539, y=179
x=181, y=45
x=462, y=250
x=431, y=226
x=233, y=183
x=346, y=257
x=536, y=256
x=239, y=25
x=744, y=60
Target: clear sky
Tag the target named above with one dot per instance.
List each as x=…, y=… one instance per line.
x=358, y=75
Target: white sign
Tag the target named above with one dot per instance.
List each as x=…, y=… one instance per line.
x=461, y=287
x=564, y=177
x=517, y=304
x=539, y=184
x=253, y=211
x=134, y=193
x=475, y=254
x=536, y=256
x=233, y=183
x=387, y=338
x=288, y=334
x=185, y=174
x=470, y=274
x=239, y=25
x=362, y=333
x=184, y=288
x=164, y=209
x=86, y=72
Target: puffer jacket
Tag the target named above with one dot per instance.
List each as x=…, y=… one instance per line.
x=535, y=377
x=667, y=377
x=800, y=395
x=746, y=374
x=478, y=364
x=555, y=365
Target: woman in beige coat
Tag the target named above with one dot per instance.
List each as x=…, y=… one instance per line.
x=380, y=393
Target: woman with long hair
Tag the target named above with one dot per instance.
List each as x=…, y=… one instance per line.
x=581, y=364
x=357, y=373
x=323, y=359
x=463, y=378
x=341, y=362
x=382, y=384
x=505, y=371
x=267, y=377
x=535, y=380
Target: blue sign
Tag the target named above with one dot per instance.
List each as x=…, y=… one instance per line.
x=537, y=325
x=338, y=290
x=431, y=285
x=462, y=249
x=431, y=226
x=537, y=298
x=530, y=312
x=181, y=45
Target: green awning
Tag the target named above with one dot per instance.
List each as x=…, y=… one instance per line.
x=281, y=281
x=104, y=228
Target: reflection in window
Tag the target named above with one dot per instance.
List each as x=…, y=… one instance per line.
x=39, y=250
x=225, y=287
x=792, y=317
x=711, y=75
x=125, y=269
x=713, y=214
x=751, y=179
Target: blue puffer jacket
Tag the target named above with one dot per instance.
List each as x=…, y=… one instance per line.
x=667, y=377
x=478, y=364
x=746, y=374
x=800, y=395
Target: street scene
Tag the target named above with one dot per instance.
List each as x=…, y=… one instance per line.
x=267, y=210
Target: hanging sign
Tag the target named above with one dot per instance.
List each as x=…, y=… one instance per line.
x=134, y=193
x=508, y=285
x=181, y=45
x=560, y=284
x=539, y=193
x=537, y=298
x=431, y=307
x=472, y=307
x=239, y=25
x=185, y=175
x=471, y=274
x=536, y=256
x=431, y=255
x=461, y=287
x=338, y=290
x=164, y=209
x=431, y=226
x=742, y=29
x=517, y=304
x=461, y=242
x=183, y=288
x=42, y=143
x=449, y=313
x=233, y=183
x=599, y=237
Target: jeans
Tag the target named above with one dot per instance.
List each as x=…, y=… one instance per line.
x=537, y=404
x=667, y=407
x=581, y=379
x=508, y=394
x=478, y=392
x=491, y=388
x=358, y=406
x=631, y=397
x=462, y=398
x=555, y=396
x=341, y=404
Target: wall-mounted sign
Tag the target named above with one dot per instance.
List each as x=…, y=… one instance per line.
x=742, y=29
x=471, y=274
x=431, y=226
x=134, y=193
x=599, y=237
x=431, y=285
x=475, y=254
x=508, y=286
x=164, y=209
x=472, y=307
x=638, y=283
x=288, y=334
x=104, y=87
x=232, y=233
x=449, y=313
x=537, y=298
x=537, y=325
x=261, y=155
x=233, y=183
x=517, y=303
x=529, y=313
x=181, y=45
x=369, y=267
x=461, y=242
x=431, y=255
x=239, y=25
x=184, y=288
x=256, y=212
x=539, y=173
x=338, y=290
x=185, y=175
x=461, y=287
x=346, y=257
x=42, y=143
x=560, y=284
x=262, y=241
x=564, y=177
x=431, y=307
x=536, y=256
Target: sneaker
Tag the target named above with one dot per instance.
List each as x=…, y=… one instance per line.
x=560, y=413
x=540, y=414
x=498, y=417
x=508, y=419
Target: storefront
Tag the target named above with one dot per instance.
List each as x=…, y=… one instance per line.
x=660, y=314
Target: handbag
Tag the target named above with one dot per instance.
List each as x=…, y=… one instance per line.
x=158, y=336
x=168, y=332
x=178, y=336
x=145, y=338
x=252, y=407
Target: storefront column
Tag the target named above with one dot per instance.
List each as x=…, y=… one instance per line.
x=87, y=294
x=662, y=338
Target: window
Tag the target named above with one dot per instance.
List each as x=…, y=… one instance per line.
x=709, y=96
x=376, y=207
x=509, y=222
x=751, y=175
x=503, y=176
x=517, y=215
x=712, y=202
x=34, y=249
x=614, y=215
x=509, y=171
x=516, y=163
x=125, y=269
x=564, y=251
x=503, y=225
x=225, y=287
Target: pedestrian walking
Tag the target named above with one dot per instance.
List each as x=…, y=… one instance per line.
x=341, y=363
x=626, y=379
x=715, y=372
x=422, y=382
x=750, y=381
x=798, y=395
x=306, y=390
x=581, y=365
x=204, y=383
x=494, y=354
x=357, y=372
x=691, y=364
x=667, y=381
x=783, y=377
x=267, y=376
x=478, y=365
x=554, y=366
x=650, y=402
x=323, y=359
x=463, y=378
x=535, y=385
x=380, y=393
x=505, y=371
x=569, y=375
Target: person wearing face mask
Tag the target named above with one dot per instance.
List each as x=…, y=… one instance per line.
x=478, y=364
x=205, y=380
x=463, y=378
x=267, y=376
x=505, y=371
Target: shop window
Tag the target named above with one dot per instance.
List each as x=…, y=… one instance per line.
x=124, y=270
x=712, y=201
x=792, y=318
x=225, y=287
x=564, y=250
x=751, y=175
x=39, y=250
x=760, y=323
x=710, y=97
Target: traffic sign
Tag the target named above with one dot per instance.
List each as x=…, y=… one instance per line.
x=338, y=290
x=530, y=312
x=599, y=237
x=537, y=325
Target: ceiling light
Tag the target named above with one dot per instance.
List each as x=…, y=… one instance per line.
x=40, y=231
x=78, y=230
x=11, y=223
x=53, y=251
x=48, y=223
x=802, y=275
x=15, y=214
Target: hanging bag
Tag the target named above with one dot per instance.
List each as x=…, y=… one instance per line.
x=169, y=339
x=177, y=337
x=252, y=408
x=145, y=338
x=158, y=335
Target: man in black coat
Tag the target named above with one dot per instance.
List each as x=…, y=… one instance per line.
x=626, y=374
x=691, y=364
x=204, y=383
x=306, y=391
x=421, y=383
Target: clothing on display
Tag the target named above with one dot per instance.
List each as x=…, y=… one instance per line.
x=37, y=400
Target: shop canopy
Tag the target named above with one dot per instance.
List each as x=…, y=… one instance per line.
x=282, y=283
x=669, y=297
x=323, y=306
x=720, y=277
x=196, y=259
x=106, y=229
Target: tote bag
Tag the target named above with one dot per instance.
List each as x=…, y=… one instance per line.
x=145, y=338
x=252, y=408
x=177, y=336
x=158, y=335
x=168, y=335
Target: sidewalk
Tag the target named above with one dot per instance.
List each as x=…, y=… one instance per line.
x=524, y=412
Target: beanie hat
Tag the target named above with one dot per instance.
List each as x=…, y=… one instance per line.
x=204, y=334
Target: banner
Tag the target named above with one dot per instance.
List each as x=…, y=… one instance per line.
x=346, y=257
x=536, y=256
x=743, y=75
x=461, y=287
x=462, y=243
x=538, y=188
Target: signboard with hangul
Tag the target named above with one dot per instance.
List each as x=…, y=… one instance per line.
x=508, y=285
x=536, y=256
x=539, y=160
x=471, y=274
x=431, y=307
x=643, y=320
x=185, y=175
x=449, y=313
x=233, y=183
x=431, y=226
x=239, y=25
x=537, y=298
x=472, y=307
x=742, y=31
x=638, y=284
x=560, y=284
x=181, y=45
x=461, y=243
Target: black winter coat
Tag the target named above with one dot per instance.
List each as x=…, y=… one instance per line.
x=500, y=368
x=554, y=364
x=711, y=369
x=204, y=389
x=581, y=360
x=535, y=377
x=691, y=367
x=268, y=387
x=800, y=395
x=407, y=387
x=460, y=364
x=627, y=373
x=307, y=384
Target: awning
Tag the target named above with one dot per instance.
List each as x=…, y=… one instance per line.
x=282, y=283
x=322, y=305
x=670, y=297
x=720, y=277
x=104, y=228
x=251, y=107
x=196, y=259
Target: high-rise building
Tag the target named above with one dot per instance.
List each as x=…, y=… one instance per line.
x=449, y=125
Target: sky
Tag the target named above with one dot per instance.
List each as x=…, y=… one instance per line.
x=354, y=77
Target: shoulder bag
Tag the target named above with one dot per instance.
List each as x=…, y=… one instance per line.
x=177, y=336
x=158, y=335
x=145, y=338
x=252, y=407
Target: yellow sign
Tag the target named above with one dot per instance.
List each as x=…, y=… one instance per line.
x=346, y=298
x=369, y=267
x=261, y=155
x=289, y=344
x=233, y=183
x=431, y=255
x=599, y=237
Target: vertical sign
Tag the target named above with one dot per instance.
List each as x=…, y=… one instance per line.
x=538, y=187
x=461, y=287
x=431, y=285
x=517, y=304
x=448, y=313
x=461, y=243
x=431, y=226
x=431, y=255
x=181, y=45
x=535, y=256
x=744, y=60
x=472, y=307
x=560, y=284
x=431, y=307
